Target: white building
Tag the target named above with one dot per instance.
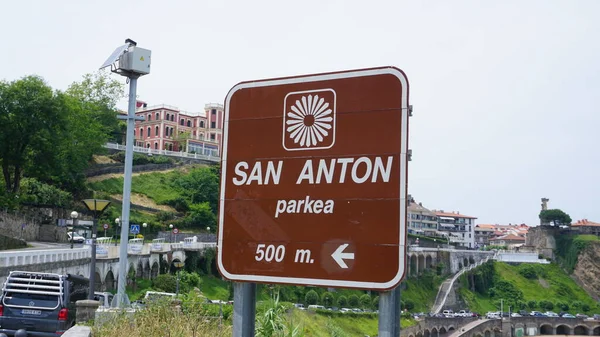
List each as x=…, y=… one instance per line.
x=460, y=227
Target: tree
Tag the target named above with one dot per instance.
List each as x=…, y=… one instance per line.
x=327, y=299
x=532, y=304
x=342, y=301
x=409, y=305
x=311, y=297
x=376, y=302
x=200, y=185
x=30, y=119
x=201, y=216
x=555, y=216
x=180, y=138
x=365, y=301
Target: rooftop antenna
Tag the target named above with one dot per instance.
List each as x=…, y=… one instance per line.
x=132, y=62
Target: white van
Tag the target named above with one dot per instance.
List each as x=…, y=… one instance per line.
x=315, y=307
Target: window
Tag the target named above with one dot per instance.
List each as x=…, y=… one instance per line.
x=201, y=136
x=212, y=136
x=189, y=123
x=157, y=116
x=213, y=112
x=148, y=135
x=182, y=122
x=155, y=146
x=172, y=118
x=156, y=131
x=141, y=133
x=149, y=117
x=201, y=124
x=213, y=124
x=148, y=145
x=167, y=117
x=134, y=133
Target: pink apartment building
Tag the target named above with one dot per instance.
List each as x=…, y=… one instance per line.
x=167, y=128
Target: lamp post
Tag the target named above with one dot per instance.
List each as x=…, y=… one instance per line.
x=171, y=233
x=144, y=225
x=118, y=222
x=95, y=206
x=74, y=216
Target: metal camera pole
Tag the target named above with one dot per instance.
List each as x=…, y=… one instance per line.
x=132, y=62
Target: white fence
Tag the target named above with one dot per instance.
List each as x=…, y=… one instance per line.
x=25, y=257
x=214, y=157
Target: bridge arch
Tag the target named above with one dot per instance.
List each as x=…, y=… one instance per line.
x=443, y=330
x=581, y=330
x=154, y=270
x=426, y=333
x=465, y=262
x=596, y=331
x=414, y=268
x=421, y=261
x=546, y=329
x=420, y=334
x=139, y=272
x=146, y=273
x=434, y=332
x=428, y=262
x=487, y=333
x=563, y=330
x=109, y=281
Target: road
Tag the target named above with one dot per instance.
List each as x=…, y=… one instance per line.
x=46, y=246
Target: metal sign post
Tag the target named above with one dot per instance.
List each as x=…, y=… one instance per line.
x=244, y=309
x=389, y=313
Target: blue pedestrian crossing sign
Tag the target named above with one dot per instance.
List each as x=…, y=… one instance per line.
x=134, y=229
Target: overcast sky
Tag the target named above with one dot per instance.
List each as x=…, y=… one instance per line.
x=505, y=93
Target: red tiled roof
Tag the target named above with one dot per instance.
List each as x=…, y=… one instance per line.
x=585, y=222
x=509, y=237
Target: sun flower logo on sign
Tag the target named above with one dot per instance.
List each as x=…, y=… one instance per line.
x=309, y=120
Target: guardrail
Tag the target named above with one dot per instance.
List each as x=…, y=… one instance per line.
x=25, y=257
x=438, y=308
x=426, y=249
x=140, y=149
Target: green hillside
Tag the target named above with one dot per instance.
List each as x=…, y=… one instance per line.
x=524, y=287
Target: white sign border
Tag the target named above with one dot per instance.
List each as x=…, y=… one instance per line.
x=403, y=167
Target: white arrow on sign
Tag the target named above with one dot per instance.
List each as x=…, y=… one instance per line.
x=339, y=256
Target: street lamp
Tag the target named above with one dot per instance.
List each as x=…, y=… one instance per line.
x=94, y=205
x=171, y=231
x=118, y=222
x=74, y=216
x=208, y=229
x=144, y=225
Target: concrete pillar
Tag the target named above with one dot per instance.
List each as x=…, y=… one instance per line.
x=86, y=310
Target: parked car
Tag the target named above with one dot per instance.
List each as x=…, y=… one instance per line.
x=41, y=303
x=76, y=238
x=104, y=298
x=567, y=315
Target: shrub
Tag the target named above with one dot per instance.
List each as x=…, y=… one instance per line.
x=311, y=297
x=165, y=282
x=327, y=299
x=576, y=305
x=528, y=271
x=585, y=307
x=342, y=301
x=376, y=302
x=353, y=301
x=409, y=305
x=562, y=306
x=365, y=301
x=532, y=304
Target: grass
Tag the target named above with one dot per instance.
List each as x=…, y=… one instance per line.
x=157, y=185
x=422, y=291
x=587, y=238
x=214, y=288
x=553, y=284
x=319, y=325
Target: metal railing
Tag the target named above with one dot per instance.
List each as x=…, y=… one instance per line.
x=212, y=157
x=26, y=257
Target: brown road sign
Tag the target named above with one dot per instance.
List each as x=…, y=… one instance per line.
x=313, y=185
